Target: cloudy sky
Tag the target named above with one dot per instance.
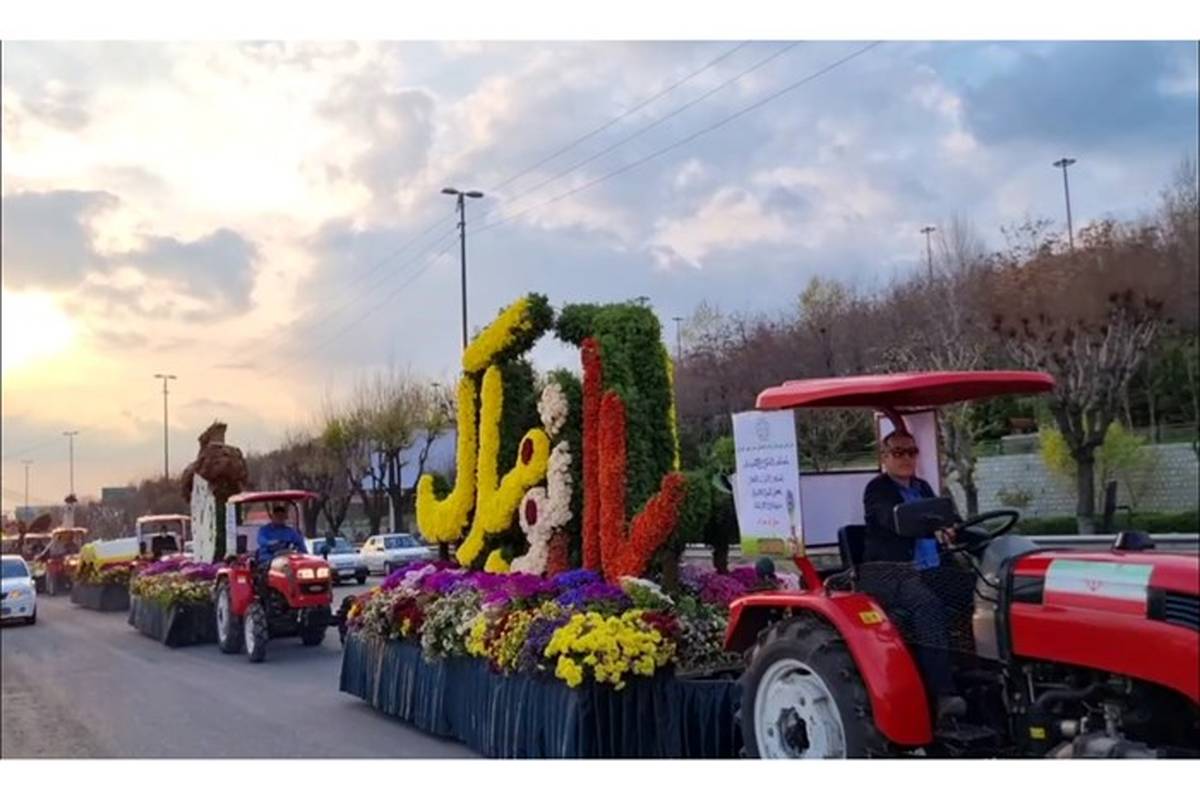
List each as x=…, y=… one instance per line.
x=264, y=220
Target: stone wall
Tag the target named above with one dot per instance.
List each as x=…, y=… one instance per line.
x=1170, y=481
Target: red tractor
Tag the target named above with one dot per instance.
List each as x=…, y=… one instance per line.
x=257, y=601
x=1057, y=652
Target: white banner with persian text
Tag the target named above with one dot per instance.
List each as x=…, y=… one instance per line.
x=767, y=482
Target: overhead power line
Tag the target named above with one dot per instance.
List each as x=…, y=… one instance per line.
x=632, y=110
x=655, y=123
x=685, y=140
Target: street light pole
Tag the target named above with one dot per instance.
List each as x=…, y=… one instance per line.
x=70, y=434
x=462, y=241
x=1062, y=164
x=928, y=229
x=26, y=486
x=678, y=340
x=166, y=460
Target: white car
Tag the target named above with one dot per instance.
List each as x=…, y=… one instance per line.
x=18, y=597
x=388, y=551
x=344, y=562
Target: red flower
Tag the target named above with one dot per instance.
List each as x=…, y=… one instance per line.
x=621, y=554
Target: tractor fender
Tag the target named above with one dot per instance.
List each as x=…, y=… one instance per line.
x=898, y=700
x=241, y=588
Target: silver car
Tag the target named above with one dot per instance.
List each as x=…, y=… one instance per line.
x=388, y=551
x=344, y=562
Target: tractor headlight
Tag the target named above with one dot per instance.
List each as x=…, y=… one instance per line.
x=305, y=574
x=322, y=572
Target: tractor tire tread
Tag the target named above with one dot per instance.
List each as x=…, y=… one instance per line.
x=256, y=617
x=818, y=640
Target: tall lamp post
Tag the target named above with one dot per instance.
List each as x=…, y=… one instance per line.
x=1062, y=164
x=70, y=434
x=462, y=239
x=927, y=230
x=26, y=463
x=166, y=459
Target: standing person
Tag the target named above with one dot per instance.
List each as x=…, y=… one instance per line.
x=904, y=585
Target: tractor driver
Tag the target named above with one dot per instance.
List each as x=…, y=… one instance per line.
x=276, y=535
x=907, y=588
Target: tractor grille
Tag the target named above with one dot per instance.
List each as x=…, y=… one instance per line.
x=1174, y=607
x=313, y=588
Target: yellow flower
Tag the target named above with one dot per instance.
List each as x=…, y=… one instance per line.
x=498, y=499
x=444, y=520
x=497, y=337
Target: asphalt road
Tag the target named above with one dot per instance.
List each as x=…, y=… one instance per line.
x=85, y=684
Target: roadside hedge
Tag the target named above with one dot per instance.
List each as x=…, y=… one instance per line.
x=1182, y=522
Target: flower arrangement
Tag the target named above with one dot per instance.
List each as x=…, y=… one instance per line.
x=609, y=648
x=443, y=520
x=175, y=582
x=544, y=511
x=573, y=626
x=497, y=498
x=553, y=409
x=91, y=573
x=516, y=329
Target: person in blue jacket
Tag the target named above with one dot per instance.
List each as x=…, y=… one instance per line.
x=276, y=535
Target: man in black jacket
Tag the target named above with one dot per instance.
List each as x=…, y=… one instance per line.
x=902, y=587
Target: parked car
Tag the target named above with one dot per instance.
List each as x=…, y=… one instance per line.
x=18, y=597
x=389, y=551
x=344, y=562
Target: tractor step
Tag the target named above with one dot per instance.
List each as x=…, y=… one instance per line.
x=959, y=735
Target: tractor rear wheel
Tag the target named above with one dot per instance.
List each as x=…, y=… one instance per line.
x=256, y=633
x=229, y=626
x=803, y=697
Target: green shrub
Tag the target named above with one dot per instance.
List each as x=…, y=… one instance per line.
x=1181, y=522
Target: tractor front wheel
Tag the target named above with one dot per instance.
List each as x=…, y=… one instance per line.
x=802, y=696
x=229, y=626
x=256, y=633
x=313, y=634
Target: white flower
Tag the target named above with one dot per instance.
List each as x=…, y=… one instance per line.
x=544, y=510
x=553, y=408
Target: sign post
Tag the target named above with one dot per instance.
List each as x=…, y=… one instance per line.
x=767, y=483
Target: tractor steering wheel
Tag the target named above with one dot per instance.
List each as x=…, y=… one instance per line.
x=978, y=538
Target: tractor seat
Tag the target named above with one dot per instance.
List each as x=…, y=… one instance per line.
x=852, y=541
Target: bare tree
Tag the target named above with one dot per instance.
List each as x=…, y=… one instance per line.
x=1086, y=317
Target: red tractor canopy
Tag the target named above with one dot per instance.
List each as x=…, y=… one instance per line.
x=903, y=391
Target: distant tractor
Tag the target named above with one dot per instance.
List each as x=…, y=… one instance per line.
x=256, y=601
x=59, y=559
x=162, y=535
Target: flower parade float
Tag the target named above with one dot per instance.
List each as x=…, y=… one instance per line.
x=102, y=572
x=563, y=625
x=171, y=601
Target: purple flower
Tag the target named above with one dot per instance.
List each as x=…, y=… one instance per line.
x=199, y=571
x=394, y=579
x=720, y=589
x=746, y=575
x=691, y=577
x=537, y=638
x=595, y=594
x=574, y=579
x=443, y=581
